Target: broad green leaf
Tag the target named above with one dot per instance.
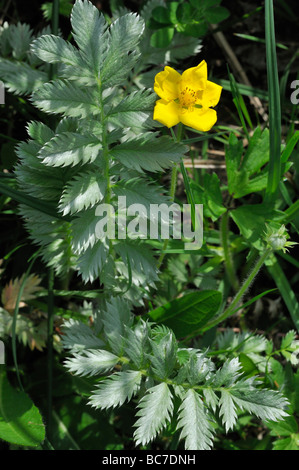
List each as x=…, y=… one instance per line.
x=188, y=314
x=284, y=428
x=244, y=172
x=251, y=220
x=216, y=14
x=209, y=194
x=162, y=37
x=20, y=420
x=288, y=443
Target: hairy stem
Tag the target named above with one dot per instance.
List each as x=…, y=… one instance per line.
x=233, y=307
x=228, y=260
x=174, y=173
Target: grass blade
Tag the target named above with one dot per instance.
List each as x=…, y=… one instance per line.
x=274, y=105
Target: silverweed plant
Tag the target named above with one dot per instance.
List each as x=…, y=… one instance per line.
x=107, y=105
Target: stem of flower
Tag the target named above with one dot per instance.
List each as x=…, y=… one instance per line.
x=229, y=265
x=233, y=307
x=174, y=173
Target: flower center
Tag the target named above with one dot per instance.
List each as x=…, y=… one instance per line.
x=188, y=97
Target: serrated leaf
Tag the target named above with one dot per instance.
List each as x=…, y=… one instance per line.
x=227, y=410
x=89, y=31
x=39, y=132
x=77, y=336
x=155, y=410
x=70, y=148
x=116, y=316
x=141, y=259
x=228, y=374
x=148, y=153
x=21, y=78
x=163, y=357
x=195, y=422
x=20, y=36
x=52, y=49
x=83, y=191
x=124, y=35
x=91, y=362
x=137, y=343
x=92, y=260
x=64, y=97
x=83, y=230
x=266, y=404
x=10, y=292
x=135, y=110
x=116, y=390
x=138, y=189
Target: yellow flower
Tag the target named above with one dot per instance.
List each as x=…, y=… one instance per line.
x=186, y=98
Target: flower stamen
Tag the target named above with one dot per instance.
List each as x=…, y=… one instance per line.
x=187, y=97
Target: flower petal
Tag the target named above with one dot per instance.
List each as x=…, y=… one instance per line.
x=166, y=84
x=167, y=113
x=195, y=77
x=211, y=94
x=199, y=119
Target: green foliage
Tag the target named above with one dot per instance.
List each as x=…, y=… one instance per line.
x=145, y=352
x=154, y=370
x=20, y=420
x=189, y=18
x=84, y=159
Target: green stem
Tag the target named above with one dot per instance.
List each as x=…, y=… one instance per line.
x=233, y=307
x=228, y=260
x=174, y=173
x=274, y=172
x=50, y=347
x=54, y=30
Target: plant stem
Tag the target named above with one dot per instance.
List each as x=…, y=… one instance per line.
x=233, y=307
x=50, y=347
x=274, y=105
x=174, y=173
x=54, y=30
x=229, y=265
